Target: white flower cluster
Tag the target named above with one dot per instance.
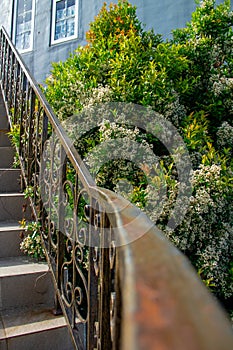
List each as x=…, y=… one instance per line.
x=175, y=112
x=127, y=151
x=225, y=136
x=208, y=175
x=32, y=246
x=111, y=130
x=221, y=84
x=97, y=95
x=206, y=233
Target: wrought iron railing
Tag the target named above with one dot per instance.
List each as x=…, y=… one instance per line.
x=142, y=295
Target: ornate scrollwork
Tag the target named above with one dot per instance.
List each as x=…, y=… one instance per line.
x=76, y=231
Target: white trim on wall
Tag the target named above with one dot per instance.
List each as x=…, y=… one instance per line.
x=64, y=20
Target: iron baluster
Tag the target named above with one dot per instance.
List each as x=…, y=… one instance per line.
x=16, y=91
x=60, y=229
x=31, y=135
x=105, y=284
x=93, y=280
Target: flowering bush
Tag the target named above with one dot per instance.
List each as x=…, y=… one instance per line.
x=188, y=80
x=134, y=64
x=225, y=136
x=31, y=243
x=206, y=233
x=207, y=41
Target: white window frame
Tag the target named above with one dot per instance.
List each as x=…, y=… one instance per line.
x=68, y=38
x=32, y=27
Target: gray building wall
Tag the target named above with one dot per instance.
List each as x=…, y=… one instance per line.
x=6, y=14
x=162, y=15
x=39, y=60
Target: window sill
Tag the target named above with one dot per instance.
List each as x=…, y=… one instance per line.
x=63, y=40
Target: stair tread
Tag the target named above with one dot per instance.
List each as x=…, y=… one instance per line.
x=10, y=226
x=20, y=322
x=9, y=169
x=21, y=265
x=12, y=194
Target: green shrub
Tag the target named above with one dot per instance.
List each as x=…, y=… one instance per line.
x=134, y=64
x=207, y=41
x=189, y=81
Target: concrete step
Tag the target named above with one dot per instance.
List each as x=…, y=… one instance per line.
x=4, y=139
x=6, y=157
x=25, y=283
x=9, y=180
x=30, y=330
x=10, y=239
x=14, y=207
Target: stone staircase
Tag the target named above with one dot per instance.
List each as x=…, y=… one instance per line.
x=26, y=291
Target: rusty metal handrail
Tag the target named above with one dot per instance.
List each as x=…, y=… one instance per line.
x=143, y=295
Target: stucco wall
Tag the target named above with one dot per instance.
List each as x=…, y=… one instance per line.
x=6, y=14
x=39, y=61
x=162, y=15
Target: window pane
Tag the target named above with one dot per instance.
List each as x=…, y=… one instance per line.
x=23, y=27
x=20, y=19
x=60, y=5
x=24, y=5
x=70, y=27
x=71, y=11
x=70, y=3
x=60, y=31
x=60, y=14
x=28, y=17
x=19, y=41
x=23, y=41
x=27, y=37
